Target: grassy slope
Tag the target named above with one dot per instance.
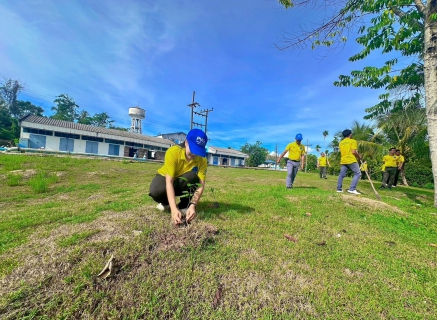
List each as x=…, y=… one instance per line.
x=355, y=257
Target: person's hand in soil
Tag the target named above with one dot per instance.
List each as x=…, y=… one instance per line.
x=191, y=213
x=176, y=216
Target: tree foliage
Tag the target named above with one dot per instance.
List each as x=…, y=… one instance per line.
x=65, y=109
x=257, y=154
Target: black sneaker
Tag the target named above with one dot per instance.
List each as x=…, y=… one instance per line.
x=381, y=187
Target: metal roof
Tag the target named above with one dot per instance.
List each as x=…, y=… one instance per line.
x=229, y=151
x=85, y=127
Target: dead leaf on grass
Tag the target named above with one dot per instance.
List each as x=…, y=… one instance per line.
x=308, y=214
x=290, y=238
x=390, y=243
x=433, y=245
x=106, y=272
x=323, y=243
x=218, y=296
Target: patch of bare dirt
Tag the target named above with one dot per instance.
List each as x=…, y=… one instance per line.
x=296, y=199
x=25, y=173
x=194, y=234
x=370, y=203
x=95, y=197
x=353, y=274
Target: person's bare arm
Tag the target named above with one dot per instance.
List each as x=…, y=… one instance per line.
x=191, y=212
x=302, y=161
x=171, y=197
x=280, y=157
x=356, y=154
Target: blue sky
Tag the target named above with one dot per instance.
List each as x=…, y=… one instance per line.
x=112, y=55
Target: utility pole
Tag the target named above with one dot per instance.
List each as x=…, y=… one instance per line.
x=203, y=113
x=192, y=106
x=306, y=156
x=276, y=154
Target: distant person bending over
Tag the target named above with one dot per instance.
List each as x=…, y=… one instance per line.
x=296, y=156
x=390, y=163
x=349, y=156
x=363, y=169
x=400, y=163
x=186, y=160
x=321, y=164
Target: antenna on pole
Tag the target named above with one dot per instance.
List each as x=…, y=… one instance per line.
x=203, y=113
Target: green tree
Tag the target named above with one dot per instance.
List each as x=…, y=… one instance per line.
x=101, y=120
x=257, y=154
x=318, y=148
x=311, y=162
x=26, y=107
x=65, y=109
x=325, y=134
x=84, y=118
x=9, y=129
x=9, y=91
x=406, y=26
x=118, y=128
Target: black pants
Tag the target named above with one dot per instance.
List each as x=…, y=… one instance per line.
x=158, y=190
x=395, y=183
x=363, y=175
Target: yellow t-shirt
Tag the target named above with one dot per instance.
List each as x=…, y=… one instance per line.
x=346, y=146
x=390, y=161
x=295, y=151
x=176, y=164
x=401, y=159
x=322, y=162
x=363, y=167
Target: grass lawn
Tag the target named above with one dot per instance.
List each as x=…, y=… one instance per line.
x=61, y=219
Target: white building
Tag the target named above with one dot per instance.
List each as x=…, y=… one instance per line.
x=65, y=136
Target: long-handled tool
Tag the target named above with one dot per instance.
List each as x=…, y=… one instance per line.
x=371, y=183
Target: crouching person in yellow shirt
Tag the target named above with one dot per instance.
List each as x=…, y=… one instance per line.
x=184, y=164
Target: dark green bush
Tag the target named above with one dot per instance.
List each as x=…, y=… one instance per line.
x=419, y=174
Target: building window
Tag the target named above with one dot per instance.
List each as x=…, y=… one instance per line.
x=133, y=144
x=114, y=150
x=67, y=135
x=88, y=138
x=38, y=131
x=114, y=141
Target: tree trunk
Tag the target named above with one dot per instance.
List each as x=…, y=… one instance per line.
x=404, y=179
x=430, y=73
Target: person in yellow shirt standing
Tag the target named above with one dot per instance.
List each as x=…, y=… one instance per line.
x=349, y=155
x=400, y=164
x=321, y=164
x=363, y=169
x=296, y=156
x=391, y=167
x=184, y=167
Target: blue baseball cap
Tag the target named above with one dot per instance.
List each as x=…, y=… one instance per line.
x=197, y=140
x=299, y=136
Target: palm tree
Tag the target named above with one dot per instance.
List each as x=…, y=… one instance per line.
x=318, y=148
x=325, y=134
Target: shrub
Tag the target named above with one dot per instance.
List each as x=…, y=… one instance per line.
x=419, y=174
